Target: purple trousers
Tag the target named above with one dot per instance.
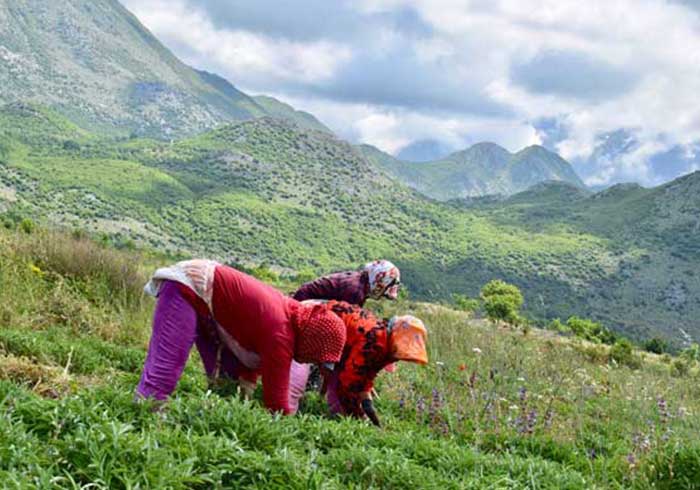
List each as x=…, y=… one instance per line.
x=176, y=326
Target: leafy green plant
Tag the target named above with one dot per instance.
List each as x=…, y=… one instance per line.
x=502, y=301
x=623, y=353
x=656, y=345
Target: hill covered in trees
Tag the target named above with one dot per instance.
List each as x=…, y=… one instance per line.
x=267, y=191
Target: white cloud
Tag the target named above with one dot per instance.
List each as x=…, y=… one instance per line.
x=470, y=48
x=251, y=59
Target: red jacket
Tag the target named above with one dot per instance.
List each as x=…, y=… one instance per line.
x=259, y=318
x=365, y=354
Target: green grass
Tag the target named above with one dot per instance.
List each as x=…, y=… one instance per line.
x=495, y=408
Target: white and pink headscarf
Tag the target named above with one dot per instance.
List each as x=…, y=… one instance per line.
x=384, y=279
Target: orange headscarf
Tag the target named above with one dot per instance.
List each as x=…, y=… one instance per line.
x=407, y=340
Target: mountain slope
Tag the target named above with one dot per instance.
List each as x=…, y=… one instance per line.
x=275, y=108
x=482, y=169
x=268, y=191
x=94, y=62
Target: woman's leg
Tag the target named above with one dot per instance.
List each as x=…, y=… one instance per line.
x=174, y=331
x=332, y=394
x=298, y=376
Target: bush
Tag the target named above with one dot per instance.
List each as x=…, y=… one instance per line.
x=502, y=302
x=557, y=326
x=27, y=226
x=656, y=345
x=622, y=352
x=590, y=330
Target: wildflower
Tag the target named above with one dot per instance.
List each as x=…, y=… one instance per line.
x=435, y=405
x=462, y=367
x=439, y=364
x=531, y=421
x=663, y=410
x=522, y=394
x=36, y=270
x=476, y=350
x=514, y=407
x=631, y=460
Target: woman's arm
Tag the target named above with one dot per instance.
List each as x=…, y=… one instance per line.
x=276, y=364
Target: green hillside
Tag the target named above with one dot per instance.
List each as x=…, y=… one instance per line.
x=483, y=169
x=494, y=409
x=265, y=191
x=94, y=62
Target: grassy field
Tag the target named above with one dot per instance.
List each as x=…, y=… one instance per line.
x=496, y=407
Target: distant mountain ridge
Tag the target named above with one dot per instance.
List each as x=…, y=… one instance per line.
x=482, y=169
x=94, y=62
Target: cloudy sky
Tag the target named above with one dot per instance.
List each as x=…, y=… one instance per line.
x=613, y=86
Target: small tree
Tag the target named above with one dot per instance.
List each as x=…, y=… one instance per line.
x=502, y=302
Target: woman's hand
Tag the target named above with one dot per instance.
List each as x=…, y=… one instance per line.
x=368, y=408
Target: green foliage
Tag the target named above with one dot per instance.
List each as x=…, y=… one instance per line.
x=590, y=330
x=502, y=301
x=264, y=273
x=465, y=303
x=656, y=345
x=680, y=367
x=692, y=353
x=557, y=326
x=622, y=352
x=27, y=226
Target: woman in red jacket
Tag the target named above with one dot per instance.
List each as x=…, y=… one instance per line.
x=220, y=308
x=371, y=345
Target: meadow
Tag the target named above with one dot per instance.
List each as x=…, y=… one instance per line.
x=498, y=407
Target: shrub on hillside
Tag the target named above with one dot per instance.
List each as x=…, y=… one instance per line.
x=557, y=326
x=656, y=345
x=622, y=352
x=27, y=226
x=502, y=302
x=590, y=330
